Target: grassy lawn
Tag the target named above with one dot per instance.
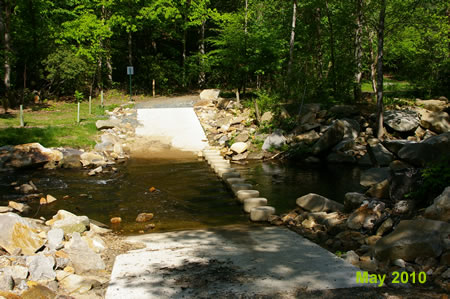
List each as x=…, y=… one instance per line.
x=389, y=84
x=54, y=124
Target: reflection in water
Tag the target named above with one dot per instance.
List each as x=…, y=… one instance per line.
x=188, y=195
x=282, y=183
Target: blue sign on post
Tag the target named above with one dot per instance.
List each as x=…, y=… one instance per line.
x=130, y=71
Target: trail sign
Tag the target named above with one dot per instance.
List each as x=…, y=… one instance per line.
x=130, y=70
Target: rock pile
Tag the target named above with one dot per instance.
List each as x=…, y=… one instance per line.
x=62, y=256
x=375, y=237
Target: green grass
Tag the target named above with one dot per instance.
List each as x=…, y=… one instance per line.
x=389, y=85
x=55, y=124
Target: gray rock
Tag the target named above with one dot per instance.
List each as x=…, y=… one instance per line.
x=240, y=157
x=412, y=239
x=26, y=188
x=6, y=282
x=308, y=138
x=41, y=267
x=401, y=120
x=267, y=117
x=261, y=213
x=404, y=182
x=83, y=258
x=351, y=257
x=308, y=118
x=107, y=124
x=404, y=207
x=382, y=155
x=54, y=238
x=243, y=137
x=394, y=146
x=353, y=200
x=345, y=145
x=274, y=140
x=440, y=209
x=239, y=147
x=71, y=158
x=363, y=217
x=5, y=209
x=316, y=203
x=373, y=176
x=438, y=122
x=17, y=232
x=76, y=284
x=427, y=151
x=255, y=156
x=92, y=158
x=352, y=128
x=433, y=104
x=385, y=227
x=344, y=110
x=69, y=222
x=209, y=95
x=17, y=272
x=330, y=138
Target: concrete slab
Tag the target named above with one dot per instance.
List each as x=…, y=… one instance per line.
x=178, y=127
x=231, y=262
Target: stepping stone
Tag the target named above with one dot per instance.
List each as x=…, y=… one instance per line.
x=261, y=213
x=251, y=203
x=226, y=170
x=244, y=194
x=231, y=175
x=238, y=187
x=232, y=181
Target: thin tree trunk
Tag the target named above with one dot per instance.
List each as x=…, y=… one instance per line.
x=358, y=50
x=107, y=48
x=188, y=3
x=333, y=60
x=7, y=46
x=130, y=49
x=292, y=40
x=380, y=108
x=373, y=65
x=319, y=46
x=244, y=87
x=202, y=76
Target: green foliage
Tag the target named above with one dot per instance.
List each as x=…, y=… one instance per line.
x=67, y=72
x=78, y=96
x=435, y=178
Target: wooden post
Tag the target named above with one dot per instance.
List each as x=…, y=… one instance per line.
x=78, y=112
x=153, y=84
x=101, y=97
x=90, y=105
x=22, y=123
x=237, y=96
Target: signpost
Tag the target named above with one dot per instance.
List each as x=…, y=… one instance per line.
x=130, y=72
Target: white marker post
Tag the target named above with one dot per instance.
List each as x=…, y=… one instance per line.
x=101, y=97
x=90, y=105
x=78, y=113
x=22, y=123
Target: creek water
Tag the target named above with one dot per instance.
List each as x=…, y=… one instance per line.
x=188, y=194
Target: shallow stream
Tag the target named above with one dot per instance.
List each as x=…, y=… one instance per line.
x=188, y=195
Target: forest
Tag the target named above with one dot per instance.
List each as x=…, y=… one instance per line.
x=327, y=50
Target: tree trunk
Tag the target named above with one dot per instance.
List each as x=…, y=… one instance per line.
x=292, y=41
x=319, y=46
x=7, y=47
x=333, y=60
x=380, y=130
x=358, y=50
x=202, y=76
x=373, y=65
x=184, y=55
x=130, y=48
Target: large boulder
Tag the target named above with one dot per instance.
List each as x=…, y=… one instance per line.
x=274, y=140
x=330, y=138
x=28, y=155
x=412, y=239
x=107, y=124
x=83, y=258
x=351, y=128
x=438, y=122
x=401, y=120
x=433, y=104
x=374, y=176
x=316, y=203
x=239, y=147
x=209, y=95
x=69, y=222
x=18, y=233
x=41, y=267
x=429, y=150
x=440, y=209
x=394, y=146
x=381, y=154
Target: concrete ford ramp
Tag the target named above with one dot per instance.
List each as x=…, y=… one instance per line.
x=227, y=262
x=178, y=127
